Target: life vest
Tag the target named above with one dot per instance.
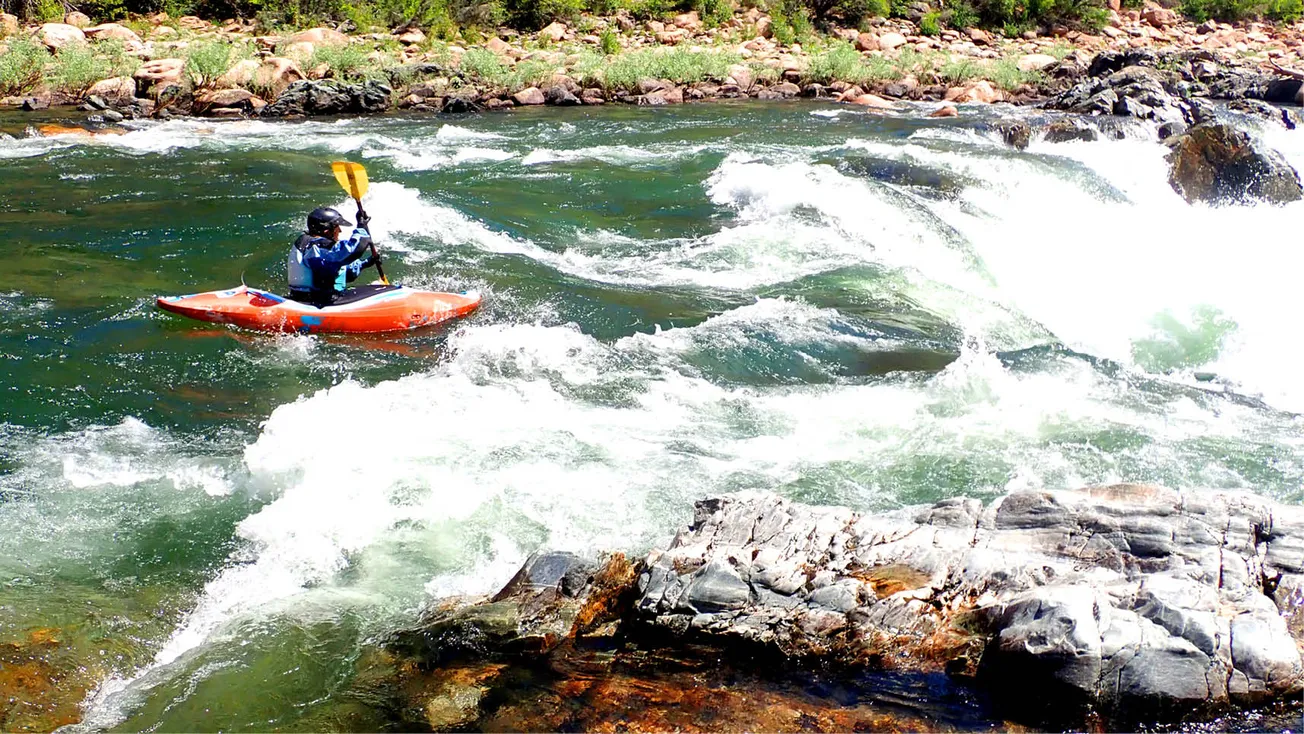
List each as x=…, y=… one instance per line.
x=299, y=274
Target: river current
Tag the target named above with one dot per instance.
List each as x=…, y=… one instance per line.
x=840, y=306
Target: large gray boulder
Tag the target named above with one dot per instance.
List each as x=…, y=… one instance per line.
x=329, y=97
x=1132, y=601
x=1215, y=163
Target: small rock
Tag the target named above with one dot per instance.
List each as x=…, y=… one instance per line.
x=113, y=116
x=529, y=97
x=130, y=41
x=889, y=41
x=8, y=25
x=553, y=32
x=559, y=96
x=867, y=42
x=1063, y=131
x=319, y=37
x=945, y=111
x=33, y=104
x=77, y=19
x=1036, y=62
x=872, y=101
x=412, y=37
x=1016, y=133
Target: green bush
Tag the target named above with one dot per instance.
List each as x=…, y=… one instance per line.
x=676, y=64
x=609, y=42
x=346, y=61
x=1231, y=11
x=839, y=62
x=208, y=60
x=961, y=15
x=714, y=13
x=535, y=14
x=482, y=66
x=1285, y=11
x=931, y=24
x=790, y=21
x=21, y=66
x=1014, y=17
x=75, y=68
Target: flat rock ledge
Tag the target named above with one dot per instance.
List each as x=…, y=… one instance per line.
x=1102, y=606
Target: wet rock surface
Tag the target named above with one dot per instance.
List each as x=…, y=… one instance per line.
x=1119, y=605
x=329, y=97
x=1217, y=164
x=1129, y=601
x=1174, y=88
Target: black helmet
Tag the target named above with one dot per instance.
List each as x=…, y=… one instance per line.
x=323, y=219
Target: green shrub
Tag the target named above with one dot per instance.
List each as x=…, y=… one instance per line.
x=714, y=13
x=678, y=65
x=1285, y=11
x=790, y=21
x=609, y=42
x=21, y=66
x=961, y=15
x=650, y=9
x=1014, y=17
x=839, y=62
x=346, y=61
x=535, y=14
x=931, y=24
x=482, y=66
x=208, y=60
x=75, y=68
x=1231, y=11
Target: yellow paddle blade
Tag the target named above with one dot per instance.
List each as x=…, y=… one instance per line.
x=352, y=176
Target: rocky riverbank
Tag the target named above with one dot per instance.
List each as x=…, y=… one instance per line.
x=167, y=66
x=1115, y=607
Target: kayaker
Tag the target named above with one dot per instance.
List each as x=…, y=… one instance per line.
x=320, y=265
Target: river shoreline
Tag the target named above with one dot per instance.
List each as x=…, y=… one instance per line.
x=657, y=63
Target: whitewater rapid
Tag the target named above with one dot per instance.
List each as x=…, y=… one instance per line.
x=1093, y=321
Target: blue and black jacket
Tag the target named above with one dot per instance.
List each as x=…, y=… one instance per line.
x=320, y=268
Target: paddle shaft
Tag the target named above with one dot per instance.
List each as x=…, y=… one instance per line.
x=379, y=270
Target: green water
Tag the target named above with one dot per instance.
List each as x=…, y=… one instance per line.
x=841, y=307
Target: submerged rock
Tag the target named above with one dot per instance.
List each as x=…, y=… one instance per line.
x=554, y=597
x=1218, y=164
x=1068, y=130
x=329, y=97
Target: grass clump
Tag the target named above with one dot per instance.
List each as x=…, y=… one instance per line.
x=1006, y=74
x=22, y=65
x=609, y=42
x=482, y=66
x=677, y=65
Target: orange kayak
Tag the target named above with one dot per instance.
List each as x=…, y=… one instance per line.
x=378, y=309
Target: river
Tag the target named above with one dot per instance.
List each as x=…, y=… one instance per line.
x=842, y=306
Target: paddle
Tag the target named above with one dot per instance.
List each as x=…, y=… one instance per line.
x=353, y=177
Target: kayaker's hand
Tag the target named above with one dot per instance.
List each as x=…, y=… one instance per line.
x=371, y=261
x=364, y=221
